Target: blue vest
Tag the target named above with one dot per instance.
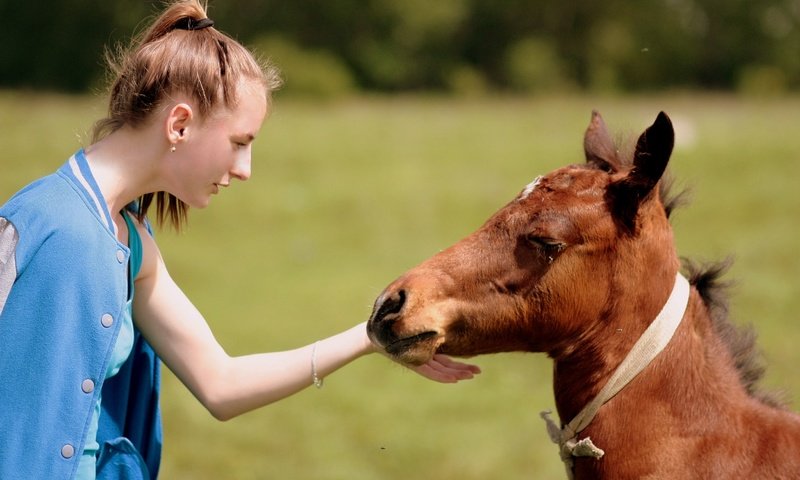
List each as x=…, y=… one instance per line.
x=57, y=331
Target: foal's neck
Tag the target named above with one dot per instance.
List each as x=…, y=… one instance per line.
x=694, y=369
x=584, y=367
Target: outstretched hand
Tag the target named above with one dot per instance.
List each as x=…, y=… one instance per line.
x=442, y=368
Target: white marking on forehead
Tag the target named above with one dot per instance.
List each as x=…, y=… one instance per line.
x=530, y=188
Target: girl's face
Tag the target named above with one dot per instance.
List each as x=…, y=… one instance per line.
x=218, y=149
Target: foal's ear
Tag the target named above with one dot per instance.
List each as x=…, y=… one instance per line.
x=598, y=147
x=650, y=159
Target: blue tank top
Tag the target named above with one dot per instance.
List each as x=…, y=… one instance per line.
x=121, y=352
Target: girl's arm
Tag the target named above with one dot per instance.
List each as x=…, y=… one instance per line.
x=228, y=386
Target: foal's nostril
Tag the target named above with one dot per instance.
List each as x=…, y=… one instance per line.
x=390, y=306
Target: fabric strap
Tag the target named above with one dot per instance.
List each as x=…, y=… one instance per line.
x=649, y=345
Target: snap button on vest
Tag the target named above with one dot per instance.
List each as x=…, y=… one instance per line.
x=67, y=451
x=87, y=386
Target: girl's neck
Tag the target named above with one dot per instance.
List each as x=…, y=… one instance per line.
x=124, y=166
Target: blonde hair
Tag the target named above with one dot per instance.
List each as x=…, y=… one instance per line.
x=179, y=52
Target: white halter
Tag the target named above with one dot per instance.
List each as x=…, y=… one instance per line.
x=649, y=345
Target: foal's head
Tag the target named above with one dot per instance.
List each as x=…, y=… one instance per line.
x=549, y=270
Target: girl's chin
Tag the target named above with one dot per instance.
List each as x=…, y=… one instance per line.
x=197, y=202
x=201, y=204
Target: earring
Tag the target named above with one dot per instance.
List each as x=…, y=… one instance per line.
x=173, y=139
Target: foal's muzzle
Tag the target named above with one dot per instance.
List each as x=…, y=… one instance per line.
x=387, y=310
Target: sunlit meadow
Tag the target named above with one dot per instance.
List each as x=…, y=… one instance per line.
x=346, y=195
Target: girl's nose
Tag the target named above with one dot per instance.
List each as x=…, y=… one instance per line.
x=241, y=169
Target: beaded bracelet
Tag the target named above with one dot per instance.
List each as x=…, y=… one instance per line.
x=317, y=381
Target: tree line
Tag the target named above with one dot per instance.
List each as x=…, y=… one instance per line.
x=327, y=47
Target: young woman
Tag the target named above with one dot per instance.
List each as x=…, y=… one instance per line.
x=87, y=306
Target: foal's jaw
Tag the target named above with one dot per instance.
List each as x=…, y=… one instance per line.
x=416, y=349
x=408, y=349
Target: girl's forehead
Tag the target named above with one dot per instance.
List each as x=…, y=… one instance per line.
x=248, y=108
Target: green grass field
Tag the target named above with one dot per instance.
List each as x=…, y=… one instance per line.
x=345, y=196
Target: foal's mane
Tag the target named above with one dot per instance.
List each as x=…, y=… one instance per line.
x=706, y=278
x=740, y=340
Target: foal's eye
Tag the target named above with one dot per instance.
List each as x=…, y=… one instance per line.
x=546, y=244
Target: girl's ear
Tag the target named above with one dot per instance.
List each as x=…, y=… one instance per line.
x=178, y=122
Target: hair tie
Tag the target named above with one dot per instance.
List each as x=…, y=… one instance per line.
x=188, y=23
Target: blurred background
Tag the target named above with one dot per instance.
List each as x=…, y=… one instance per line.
x=456, y=46
x=403, y=125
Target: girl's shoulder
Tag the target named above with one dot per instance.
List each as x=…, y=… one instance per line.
x=46, y=207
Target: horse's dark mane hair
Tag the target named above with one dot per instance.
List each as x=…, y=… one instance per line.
x=706, y=278
x=740, y=340
x=671, y=198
